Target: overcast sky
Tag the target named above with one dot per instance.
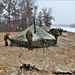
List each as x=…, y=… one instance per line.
x=63, y=10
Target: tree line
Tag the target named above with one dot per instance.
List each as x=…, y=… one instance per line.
x=17, y=15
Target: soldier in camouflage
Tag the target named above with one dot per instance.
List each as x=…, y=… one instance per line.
x=55, y=34
x=6, y=37
x=29, y=38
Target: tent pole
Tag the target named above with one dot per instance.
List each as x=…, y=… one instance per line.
x=34, y=25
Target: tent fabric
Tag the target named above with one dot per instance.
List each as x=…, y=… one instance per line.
x=45, y=28
x=20, y=39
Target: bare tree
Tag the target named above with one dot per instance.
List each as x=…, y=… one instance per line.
x=1, y=10
x=12, y=13
x=40, y=18
x=8, y=8
x=19, y=13
x=47, y=17
x=26, y=10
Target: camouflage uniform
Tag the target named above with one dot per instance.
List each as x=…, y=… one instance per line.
x=6, y=37
x=29, y=38
x=55, y=34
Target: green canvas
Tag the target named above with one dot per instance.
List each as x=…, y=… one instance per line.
x=45, y=28
x=20, y=39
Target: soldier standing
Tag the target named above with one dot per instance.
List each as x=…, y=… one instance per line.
x=29, y=38
x=6, y=37
x=55, y=34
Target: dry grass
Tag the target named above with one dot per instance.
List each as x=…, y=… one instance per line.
x=59, y=58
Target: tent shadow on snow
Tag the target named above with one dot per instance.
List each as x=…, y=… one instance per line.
x=21, y=41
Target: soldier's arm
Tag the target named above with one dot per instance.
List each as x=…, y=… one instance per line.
x=8, y=38
x=32, y=35
x=26, y=35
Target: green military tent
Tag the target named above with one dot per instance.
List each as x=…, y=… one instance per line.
x=20, y=39
x=44, y=27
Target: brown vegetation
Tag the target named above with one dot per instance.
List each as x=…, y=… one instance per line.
x=59, y=58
